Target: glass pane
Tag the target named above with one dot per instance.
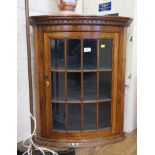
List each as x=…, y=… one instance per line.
x=57, y=53
x=104, y=85
x=89, y=53
x=59, y=116
x=105, y=54
x=73, y=54
x=89, y=86
x=57, y=86
x=74, y=116
x=104, y=115
x=89, y=116
x=73, y=86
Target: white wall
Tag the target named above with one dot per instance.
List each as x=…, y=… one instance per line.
x=38, y=7
x=130, y=119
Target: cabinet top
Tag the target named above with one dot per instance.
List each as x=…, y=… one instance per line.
x=80, y=20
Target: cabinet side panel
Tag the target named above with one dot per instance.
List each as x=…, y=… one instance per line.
x=121, y=80
x=39, y=81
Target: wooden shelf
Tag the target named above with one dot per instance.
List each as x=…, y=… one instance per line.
x=70, y=71
x=79, y=101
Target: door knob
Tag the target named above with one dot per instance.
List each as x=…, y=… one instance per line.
x=47, y=83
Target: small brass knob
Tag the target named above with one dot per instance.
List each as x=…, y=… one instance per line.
x=47, y=83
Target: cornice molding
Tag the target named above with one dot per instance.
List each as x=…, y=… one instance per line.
x=80, y=20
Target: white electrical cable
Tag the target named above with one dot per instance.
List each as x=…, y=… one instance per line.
x=31, y=143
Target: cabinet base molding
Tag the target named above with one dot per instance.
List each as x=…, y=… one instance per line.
x=79, y=143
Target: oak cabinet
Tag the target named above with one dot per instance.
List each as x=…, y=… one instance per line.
x=79, y=79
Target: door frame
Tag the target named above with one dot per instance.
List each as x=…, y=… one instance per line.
x=48, y=115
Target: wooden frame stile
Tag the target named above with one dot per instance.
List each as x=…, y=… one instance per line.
x=40, y=85
x=114, y=84
x=47, y=84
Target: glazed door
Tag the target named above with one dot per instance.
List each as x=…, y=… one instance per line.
x=81, y=84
